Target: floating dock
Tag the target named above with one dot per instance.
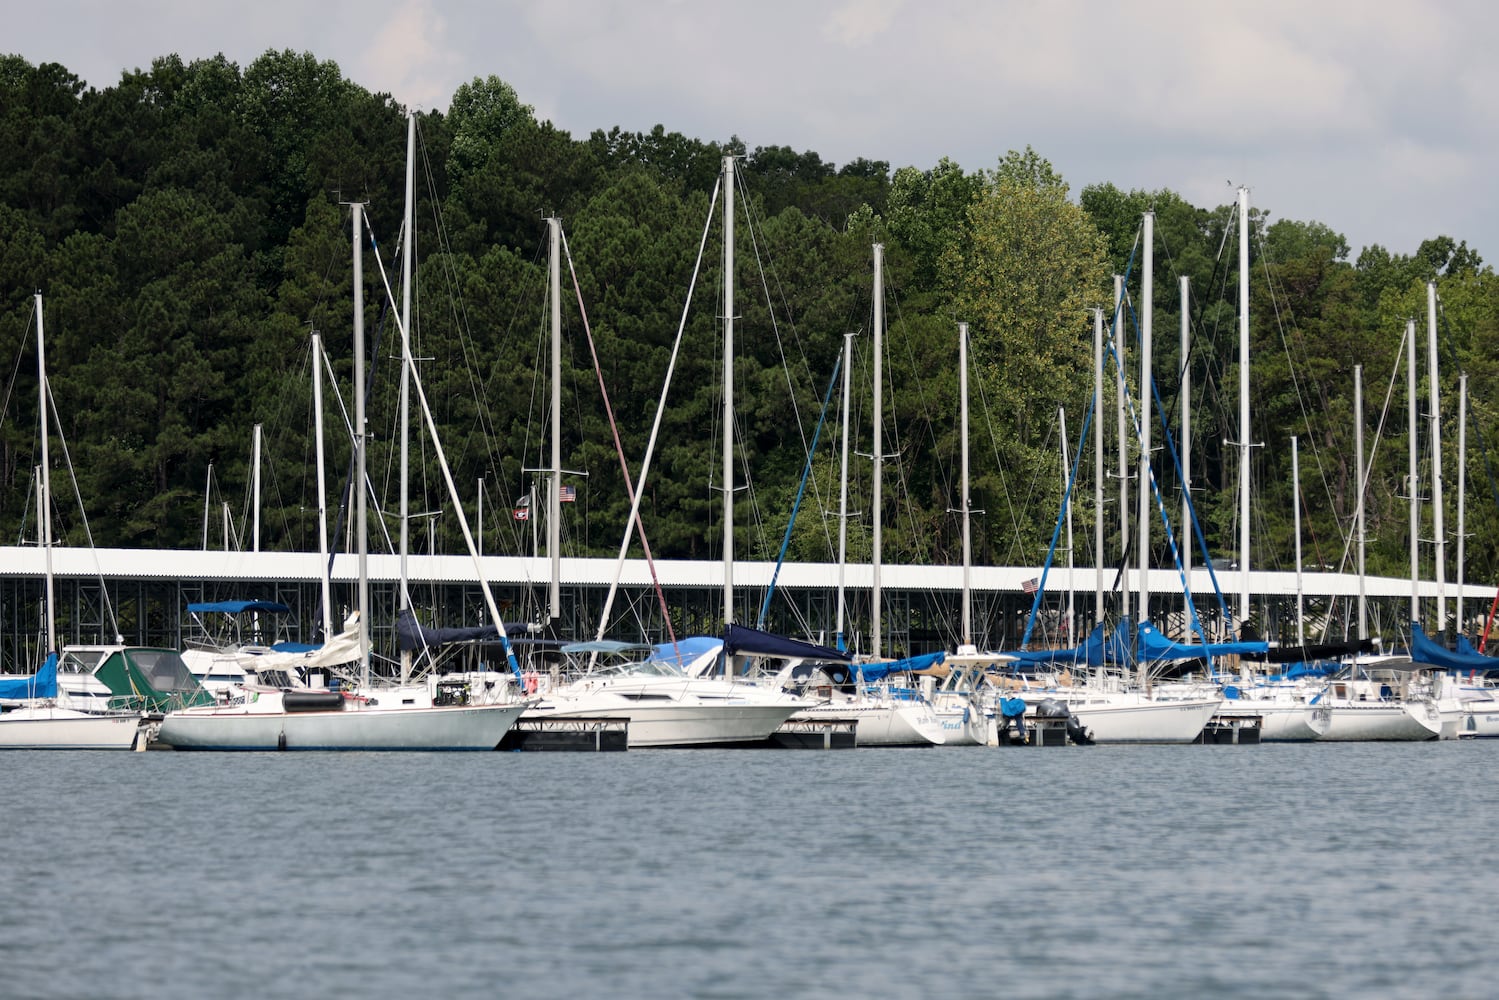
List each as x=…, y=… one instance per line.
x=816, y=734
x=1039, y=733
x=1231, y=729
x=563, y=735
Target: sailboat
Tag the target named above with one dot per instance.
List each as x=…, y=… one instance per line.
x=406, y=716
x=864, y=690
x=32, y=718
x=666, y=704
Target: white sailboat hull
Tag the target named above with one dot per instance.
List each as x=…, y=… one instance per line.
x=1136, y=719
x=1367, y=721
x=65, y=729
x=1280, y=721
x=676, y=725
x=449, y=727
x=884, y=723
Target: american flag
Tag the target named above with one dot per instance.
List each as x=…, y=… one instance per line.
x=1031, y=586
x=567, y=494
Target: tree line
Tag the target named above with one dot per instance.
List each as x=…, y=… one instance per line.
x=189, y=228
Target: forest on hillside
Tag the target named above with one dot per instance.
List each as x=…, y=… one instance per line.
x=189, y=227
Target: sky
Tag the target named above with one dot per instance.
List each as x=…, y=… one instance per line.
x=1377, y=118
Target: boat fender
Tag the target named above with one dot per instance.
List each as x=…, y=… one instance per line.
x=312, y=701
x=531, y=681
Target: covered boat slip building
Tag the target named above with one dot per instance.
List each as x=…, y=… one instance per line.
x=144, y=594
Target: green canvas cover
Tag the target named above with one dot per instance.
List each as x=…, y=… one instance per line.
x=152, y=680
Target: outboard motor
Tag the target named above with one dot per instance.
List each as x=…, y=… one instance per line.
x=1053, y=709
x=1012, y=713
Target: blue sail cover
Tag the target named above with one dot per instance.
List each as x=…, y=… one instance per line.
x=879, y=671
x=739, y=639
x=239, y=607
x=1090, y=652
x=1426, y=650
x=1155, y=646
x=411, y=634
x=42, y=684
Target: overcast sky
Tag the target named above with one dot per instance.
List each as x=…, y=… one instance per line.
x=1375, y=117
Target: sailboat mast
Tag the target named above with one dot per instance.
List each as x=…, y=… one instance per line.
x=1243, y=405
x=1121, y=394
x=1186, y=449
x=255, y=487
x=1296, y=521
x=1462, y=491
x=403, y=600
x=728, y=393
x=554, y=491
x=848, y=363
x=1438, y=525
x=875, y=626
x=963, y=493
x=361, y=505
x=322, y=486
x=45, y=501
x=1067, y=505
x=1358, y=447
x=1147, y=318
x=1098, y=471
x=1413, y=473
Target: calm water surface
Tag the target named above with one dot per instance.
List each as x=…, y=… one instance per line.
x=1280, y=871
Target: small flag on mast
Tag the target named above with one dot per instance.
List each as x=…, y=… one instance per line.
x=522, y=510
x=567, y=494
x=1031, y=586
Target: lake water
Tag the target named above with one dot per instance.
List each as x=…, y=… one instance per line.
x=1277, y=870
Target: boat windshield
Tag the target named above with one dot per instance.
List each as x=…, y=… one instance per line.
x=641, y=668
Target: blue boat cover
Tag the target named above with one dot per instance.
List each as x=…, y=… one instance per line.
x=42, y=684
x=411, y=634
x=1090, y=652
x=239, y=607
x=739, y=639
x=879, y=671
x=1424, y=649
x=1155, y=646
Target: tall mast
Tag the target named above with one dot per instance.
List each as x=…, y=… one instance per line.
x=554, y=491
x=1438, y=525
x=1462, y=491
x=1186, y=450
x=1296, y=520
x=848, y=363
x=255, y=487
x=403, y=600
x=1121, y=398
x=361, y=505
x=1244, y=405
x=322, y=486
x=728, y=393
x=1098, y=470
x=879, y=331
x=963, y=493
x=1358, y=447
x=1147, y=314
x=1414, y=481
x=1067, y=505
x=46, y=477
